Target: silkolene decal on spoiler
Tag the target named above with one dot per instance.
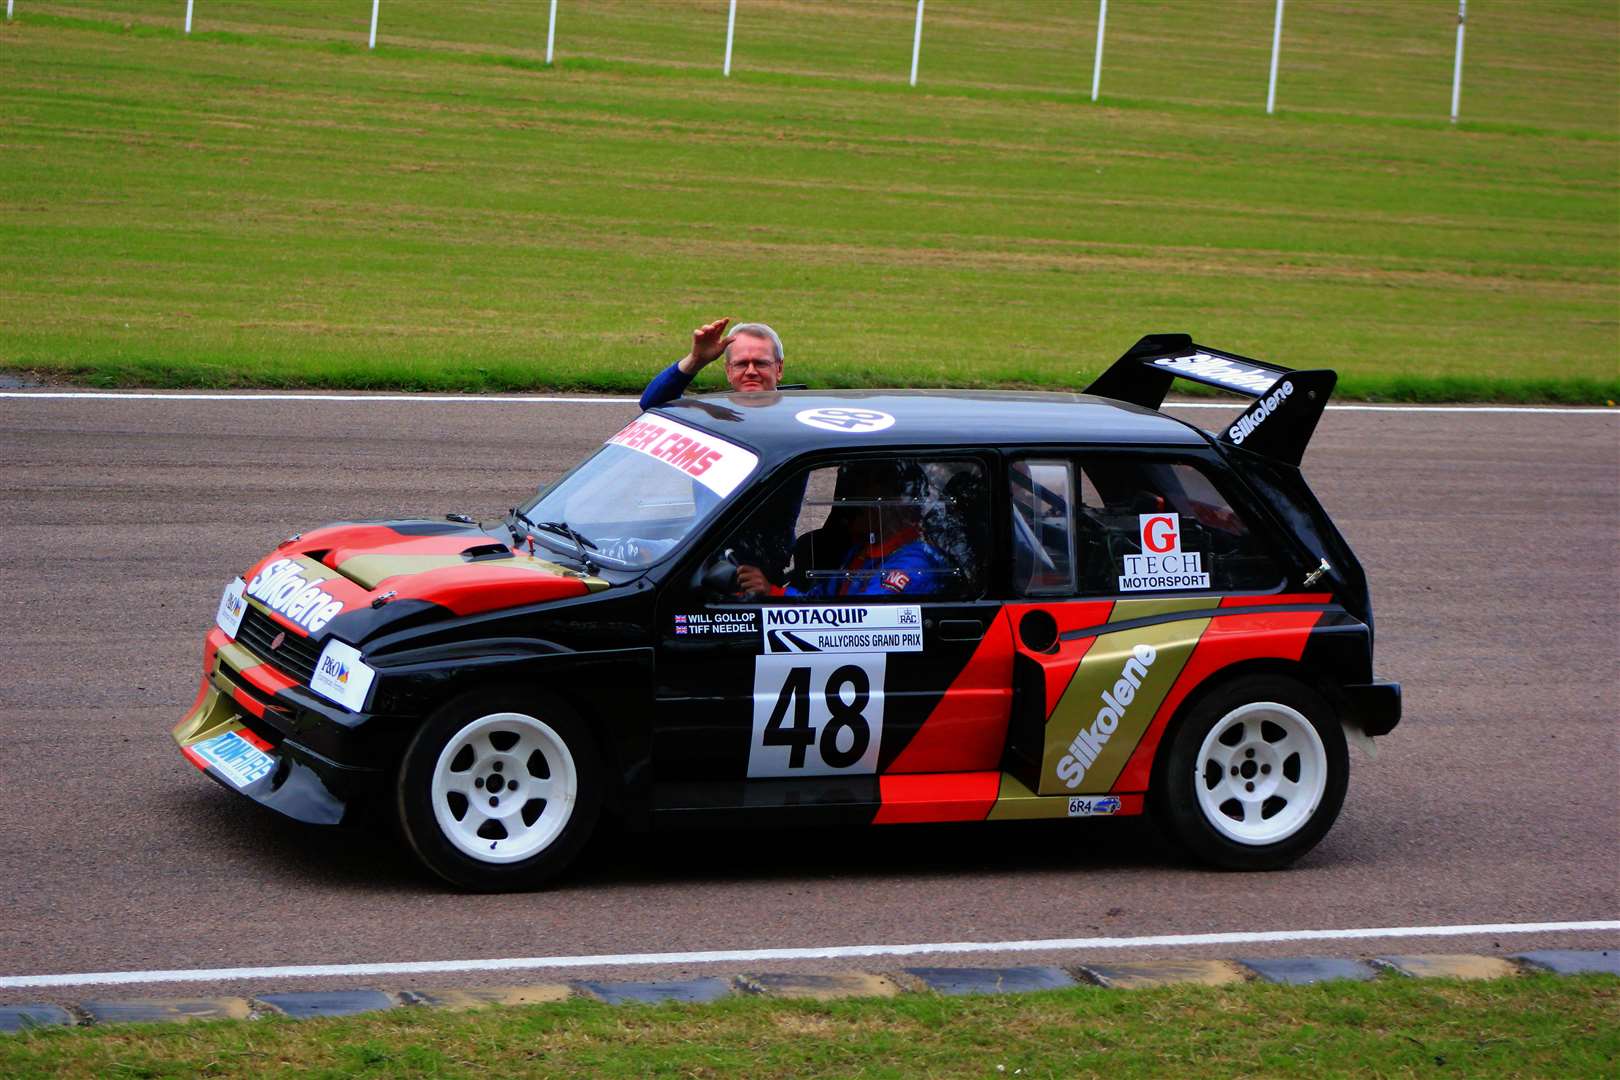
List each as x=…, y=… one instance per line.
x=715, y=463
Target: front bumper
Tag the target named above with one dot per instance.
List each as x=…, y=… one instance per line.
x=322, y=771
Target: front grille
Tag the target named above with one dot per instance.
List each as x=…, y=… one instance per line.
x=297, y=655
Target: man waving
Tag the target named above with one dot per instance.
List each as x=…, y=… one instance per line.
x=753, y=361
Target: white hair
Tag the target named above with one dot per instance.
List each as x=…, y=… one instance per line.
x=759, y=330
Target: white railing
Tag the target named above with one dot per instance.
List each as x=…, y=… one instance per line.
x=916, y=44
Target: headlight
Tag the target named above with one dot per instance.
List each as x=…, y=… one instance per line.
x=231, y=608
x=341, y=675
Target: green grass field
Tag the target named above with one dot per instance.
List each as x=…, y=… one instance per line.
x=267, y=203
x=1536, y=1026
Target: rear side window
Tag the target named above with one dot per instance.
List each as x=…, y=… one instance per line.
x=1146, y=527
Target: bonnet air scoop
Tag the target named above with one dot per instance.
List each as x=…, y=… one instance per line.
x=1287, y=402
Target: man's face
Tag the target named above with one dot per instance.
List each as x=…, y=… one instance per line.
x=750, y=365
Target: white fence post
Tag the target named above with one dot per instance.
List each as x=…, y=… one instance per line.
x=916, y=43
x=188, y=15
x=731, y=27
x=8, y=10
x=374, y=5
x=1096, y=64
x=551, y=31
x=1456, y=74
x=1276, y=47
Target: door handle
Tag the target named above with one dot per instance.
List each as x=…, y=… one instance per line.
x=960, y=629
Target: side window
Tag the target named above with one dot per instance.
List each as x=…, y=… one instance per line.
x=892, y=527
x=1042, y=526
x=1146, y=527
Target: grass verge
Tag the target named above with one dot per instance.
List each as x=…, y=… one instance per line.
x=1538, y=1026
x=267, y=203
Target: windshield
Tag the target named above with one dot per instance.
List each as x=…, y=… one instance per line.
x=640, y=495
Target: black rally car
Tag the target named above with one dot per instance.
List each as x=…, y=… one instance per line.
x=871, y=607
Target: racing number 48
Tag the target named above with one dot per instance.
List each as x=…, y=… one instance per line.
x=816, y=715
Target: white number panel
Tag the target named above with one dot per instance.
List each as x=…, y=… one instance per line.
x=817, y=715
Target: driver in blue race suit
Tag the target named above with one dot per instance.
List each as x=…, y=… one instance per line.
x=878, y=529
x=753, y=353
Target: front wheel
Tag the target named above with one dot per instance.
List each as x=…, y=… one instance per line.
x=497, y=794
x=1255, y=774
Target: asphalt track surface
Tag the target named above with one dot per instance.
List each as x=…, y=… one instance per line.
x=1491, y=541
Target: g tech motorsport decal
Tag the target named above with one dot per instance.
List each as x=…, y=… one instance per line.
x=715, y=463
x=1162, y=564
x=231, y=608
x=283, y=589
x=708, y=624
x=1257, y=413
x=875, y=628
x=817, y=715
x=1222, y=372
x=1110, y=701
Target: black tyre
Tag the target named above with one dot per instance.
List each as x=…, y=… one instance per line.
x=1254, y=774
x=497, y=792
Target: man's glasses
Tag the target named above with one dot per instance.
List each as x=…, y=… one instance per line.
x=744, y=365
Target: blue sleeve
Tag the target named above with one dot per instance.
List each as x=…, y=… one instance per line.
x=666, y=386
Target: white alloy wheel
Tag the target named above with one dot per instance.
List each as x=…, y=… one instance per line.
x=1261, y=773
x=504, y=787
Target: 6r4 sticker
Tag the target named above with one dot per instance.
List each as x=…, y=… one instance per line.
x=817, y=715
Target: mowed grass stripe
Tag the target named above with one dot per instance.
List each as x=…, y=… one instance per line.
x=240, y=212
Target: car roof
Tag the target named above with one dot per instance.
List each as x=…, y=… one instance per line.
x=767, y=422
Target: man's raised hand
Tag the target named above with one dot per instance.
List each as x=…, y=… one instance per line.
x=708, y=342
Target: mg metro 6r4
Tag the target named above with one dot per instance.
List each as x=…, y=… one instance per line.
x=872, y=607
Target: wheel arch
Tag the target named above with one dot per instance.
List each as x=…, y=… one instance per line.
x=610, y=693
x=1301, y=671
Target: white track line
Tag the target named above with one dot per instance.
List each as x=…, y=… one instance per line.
x=497, y=399
x=735, y=956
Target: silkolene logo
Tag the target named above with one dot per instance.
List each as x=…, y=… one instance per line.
x=1257, y=414
x=1162, y=564
x=282, y=589
x=1221, y=371
x=1089, y=743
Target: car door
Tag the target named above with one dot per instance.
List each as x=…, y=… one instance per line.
x=886, y=660
x=1122, y=564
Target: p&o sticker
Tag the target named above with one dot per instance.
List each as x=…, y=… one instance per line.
x=232, y=607
x=845, y=420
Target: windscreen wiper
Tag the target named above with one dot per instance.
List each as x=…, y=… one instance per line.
x=579, y=538
x=581, y=541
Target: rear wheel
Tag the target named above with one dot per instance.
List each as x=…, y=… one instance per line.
x=1255, y=774
x=496, y=794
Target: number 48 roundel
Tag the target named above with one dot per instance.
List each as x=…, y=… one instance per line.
x=817, y=715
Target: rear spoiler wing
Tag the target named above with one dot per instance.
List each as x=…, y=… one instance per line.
x=1287, y=404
